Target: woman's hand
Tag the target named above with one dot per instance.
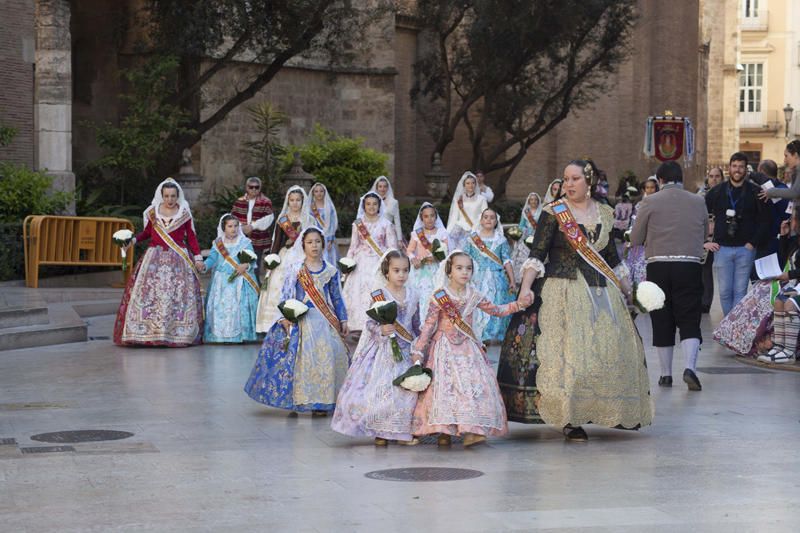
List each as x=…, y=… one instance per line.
x=343, y=328
x=241, y=269
x=129, y=245
x=416, y=262
x=200, y=266
x=387, y=329
x=416, y=358
x=525, y=297
x=286, y=325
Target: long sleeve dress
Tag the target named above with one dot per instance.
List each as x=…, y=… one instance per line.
x=307, y=374
x=162, y=303
x=358, y=285
x=270, y=295
x=574, y=356
x=491, y=280
x=325, y=220
x=458, y=227
x=230, y=305
x=422, y=278
x=463, y=396
x=368, y=404
x=520, y=250
x=391, y=211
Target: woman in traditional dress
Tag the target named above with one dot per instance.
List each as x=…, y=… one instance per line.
x=368, y=404
x=290, y=222
x=230, y=305
x=553, y=191
x=465, y=211
x=591, y=363
x=463, y=398
x=528, y=221
x=162, y=303
x=372, y=236
x=301, y=367
x=635, y=257
x=322, y=212
x=391, y=208
x=427, y=229
x=493, y=275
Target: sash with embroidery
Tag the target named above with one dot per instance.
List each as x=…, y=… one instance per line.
x=377, y=296
x=307, y=282
x=460, y=204
x=444, y=301
x=576, y=238
x=317, y=215
x=167, y=238
x=364, y=232
x=423, y=240
x=480, y=245
x=531, y=220
x=287, y=228
x=228, y=259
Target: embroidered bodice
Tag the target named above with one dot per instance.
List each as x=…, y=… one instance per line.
x=179, y=228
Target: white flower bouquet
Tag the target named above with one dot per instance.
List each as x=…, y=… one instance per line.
x=272, y=261
x=245, y=257
x=647, y=296
x=529, y=241
x=415, y=379
x=123, y=238
x=385, y=313
x=346, y=265
x=292, y=310
x=513, y=233
x=438, y=250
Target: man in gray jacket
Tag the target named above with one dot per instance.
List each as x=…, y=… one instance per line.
x=672, y=224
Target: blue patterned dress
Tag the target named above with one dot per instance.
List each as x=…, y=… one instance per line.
x=230, y=306
x=307, y=375
x=490, y=279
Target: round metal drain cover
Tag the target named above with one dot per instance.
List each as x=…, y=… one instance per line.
x=82, y=435
x=424, y=474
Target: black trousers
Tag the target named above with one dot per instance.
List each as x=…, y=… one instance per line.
x=682, y=282
x=708, y=280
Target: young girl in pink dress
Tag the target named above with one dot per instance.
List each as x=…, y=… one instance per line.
x=463, y=398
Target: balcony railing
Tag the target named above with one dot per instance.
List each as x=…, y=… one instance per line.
x=760, y=22
x=763, y=121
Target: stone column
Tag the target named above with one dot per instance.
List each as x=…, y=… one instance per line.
x=53, y=92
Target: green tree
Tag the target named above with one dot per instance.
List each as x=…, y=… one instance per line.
x=511, y=70
x=26, y=192
x=266, y=152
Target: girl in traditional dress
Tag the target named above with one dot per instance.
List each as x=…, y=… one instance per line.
x=368, y=404
x=391, y=208
x=553, y=191
x=162, y=303
x=635, y=258
x=427, y=228
x=230, y=305
x=591, y=363
x=372, y=236
x=493, y=276
x=528, y=221
x=322, y=212
x=463, y=398
x=465, y=211
x=292, y=220
x=305, y=373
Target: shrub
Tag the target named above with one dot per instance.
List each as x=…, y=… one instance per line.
x=12, y=260
x=24, y=192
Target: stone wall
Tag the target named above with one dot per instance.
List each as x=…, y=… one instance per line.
x=17, y=38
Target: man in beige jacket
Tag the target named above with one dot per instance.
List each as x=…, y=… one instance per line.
x=672, y=224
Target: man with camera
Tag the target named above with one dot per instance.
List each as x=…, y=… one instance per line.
x=741, y=223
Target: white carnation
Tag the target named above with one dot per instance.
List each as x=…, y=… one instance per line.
x=378, y=305
x=123, y=235
x=295, y=306
x=347, y=262
x=529, y=240
x=649, y=296
x=416, y=383
x=250, y=254
x=272, y=261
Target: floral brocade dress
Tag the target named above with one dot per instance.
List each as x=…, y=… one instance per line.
x=463, y=396
x=270, y=295
x=575, y=356
x=491, y=280
x=369, y=405
x=422, y=278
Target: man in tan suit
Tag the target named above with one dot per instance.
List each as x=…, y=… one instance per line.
x=672, y=224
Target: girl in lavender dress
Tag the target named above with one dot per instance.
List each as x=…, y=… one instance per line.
x=427, y=229
x=368, y=404
x=635, y=258
x=372, y=236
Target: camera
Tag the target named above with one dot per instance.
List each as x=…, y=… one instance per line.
x=732, y=222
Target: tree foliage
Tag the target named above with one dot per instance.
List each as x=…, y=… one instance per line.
x=266, y=152
x=511, y=70
x=26, y=192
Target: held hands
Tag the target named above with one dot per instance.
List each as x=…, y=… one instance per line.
x=525, y=299
x=200, y=266
x=387, y=329
x=711, y=247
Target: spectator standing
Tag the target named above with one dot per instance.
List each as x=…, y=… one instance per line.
x=254, y=213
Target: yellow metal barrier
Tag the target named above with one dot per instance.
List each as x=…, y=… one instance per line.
x=74, y=241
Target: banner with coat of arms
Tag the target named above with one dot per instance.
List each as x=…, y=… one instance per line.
x=668, y=138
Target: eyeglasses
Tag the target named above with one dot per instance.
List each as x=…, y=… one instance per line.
x=254, y=187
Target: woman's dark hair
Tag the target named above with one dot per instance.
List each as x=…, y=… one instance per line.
x=422, y=210
x=170, y=185
x=313, y=230
x=225, y=220
x=793, y=147
x=371, y=195
x=496, y=218
x=448, y=265
x=582, y=164
x=394, y=254
x=302, y=196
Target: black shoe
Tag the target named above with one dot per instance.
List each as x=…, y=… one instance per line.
x=575, y=434
x=690, y=378
x=665, y=381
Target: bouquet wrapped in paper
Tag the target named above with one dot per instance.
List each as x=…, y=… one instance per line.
x=123, y=238
x=513, y=233
x=415, y=379
x=292, y=310
x=272, y=261
x=529, y=241
x=385, y=313
x=346, y=265
x=438, y=250
x=647, y=296
x=245, y=257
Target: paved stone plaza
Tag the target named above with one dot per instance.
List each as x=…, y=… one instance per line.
x=204, y=457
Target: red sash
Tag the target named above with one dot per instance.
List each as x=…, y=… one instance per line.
x=378, y=296
x=454, y=314
x=167, y=238
x=460, y=204
x=531, y=220
x=480, y=245
x=228, y=259
x=287, y=227
x=575, y=237
x=364, y=232
x=307, y=282
x=317, y=215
